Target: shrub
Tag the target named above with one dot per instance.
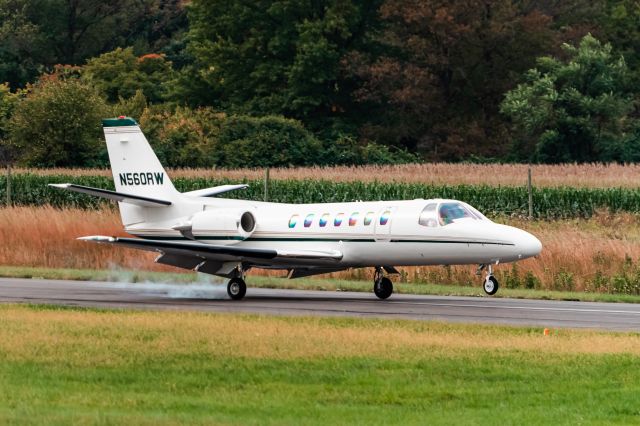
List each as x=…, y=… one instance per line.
x=182, y=137
x=265, y=142
x=58, y=125
x=347, y=151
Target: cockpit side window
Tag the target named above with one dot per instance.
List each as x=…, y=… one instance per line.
x=428, y=216
x=476, y=213
x=450, y=212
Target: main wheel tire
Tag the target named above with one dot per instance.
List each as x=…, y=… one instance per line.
x=383, y=288
x=490, y=285
x=236, y=288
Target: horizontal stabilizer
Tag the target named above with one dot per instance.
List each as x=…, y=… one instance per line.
x=216, y=190
x=113, y=195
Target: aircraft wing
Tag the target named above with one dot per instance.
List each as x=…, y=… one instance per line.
x=221, y=253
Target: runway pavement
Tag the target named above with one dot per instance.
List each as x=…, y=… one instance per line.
x=211, y=298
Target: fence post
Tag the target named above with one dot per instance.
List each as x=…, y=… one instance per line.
x=530, y=190
x=8, y=185
x=266, y=184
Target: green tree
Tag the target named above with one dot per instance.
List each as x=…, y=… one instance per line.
x=574, y=109
x=37, y=34
x=120, y=74
x=442, y=67
x=21, y=44
x=58, y=124
x=8, y=102
x=277, y=56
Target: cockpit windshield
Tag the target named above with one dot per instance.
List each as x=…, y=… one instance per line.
x=451, y=212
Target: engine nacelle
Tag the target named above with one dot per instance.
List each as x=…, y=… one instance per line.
x=231, y=224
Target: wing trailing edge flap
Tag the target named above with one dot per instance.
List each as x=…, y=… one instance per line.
x=179, y=261
x=198, y=263
x=122, y=197
x=214, y=253
x=307, y=272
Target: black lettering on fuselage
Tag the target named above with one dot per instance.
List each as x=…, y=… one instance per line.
x=148, y=178
x=159, y=178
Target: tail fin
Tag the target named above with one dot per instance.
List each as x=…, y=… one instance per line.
x=136, y=168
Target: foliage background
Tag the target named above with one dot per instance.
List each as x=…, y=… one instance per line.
x=332, y=82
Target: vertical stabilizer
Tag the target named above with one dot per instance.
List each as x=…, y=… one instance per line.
x=136, y=168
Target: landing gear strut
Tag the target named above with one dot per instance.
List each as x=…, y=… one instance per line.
x=490, y=284
x=237, y=288
x=382, y=286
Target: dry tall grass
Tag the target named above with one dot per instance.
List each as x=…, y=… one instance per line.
x=46, y=237
x=587, y=175
x=574, y=253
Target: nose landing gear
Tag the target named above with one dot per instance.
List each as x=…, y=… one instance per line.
x=490, y=284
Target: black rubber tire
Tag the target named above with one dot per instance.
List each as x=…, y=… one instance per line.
x=490, y=285
x=236, y=288
x=383, y=288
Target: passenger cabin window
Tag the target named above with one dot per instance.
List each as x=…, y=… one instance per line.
x=384, y=217
x=428, y=216
x=324, y=219
x=308, y=220
x=369, y=218
x=353, y=219
x=450, y=212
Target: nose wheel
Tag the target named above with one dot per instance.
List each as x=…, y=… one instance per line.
x=490, y=284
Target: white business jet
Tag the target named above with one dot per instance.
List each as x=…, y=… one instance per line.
x=225, y=237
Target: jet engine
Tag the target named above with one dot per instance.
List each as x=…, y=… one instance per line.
x=228, y=225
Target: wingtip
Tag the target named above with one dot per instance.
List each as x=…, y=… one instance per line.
x=59, y=185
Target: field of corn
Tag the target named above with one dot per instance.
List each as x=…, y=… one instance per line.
x=601, y=254
x=30, y=189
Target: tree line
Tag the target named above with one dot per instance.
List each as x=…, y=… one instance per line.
x=299, y=82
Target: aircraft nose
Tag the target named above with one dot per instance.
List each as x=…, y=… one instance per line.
x=528, y=245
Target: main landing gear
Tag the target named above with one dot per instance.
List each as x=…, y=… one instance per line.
x=237, y=288
x=382, y=286
x=490, y=284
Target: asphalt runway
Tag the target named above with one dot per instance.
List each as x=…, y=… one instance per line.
x=213, y=298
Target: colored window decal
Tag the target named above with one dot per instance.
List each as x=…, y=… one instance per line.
x=308, y=220
x=353, y=219
x=293, y=221
x=385, y=217
x=338, y=220
x=368, y=218
x=323, y=220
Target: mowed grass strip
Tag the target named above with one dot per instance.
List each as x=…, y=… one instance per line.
x=88, y=366
x=314, y=283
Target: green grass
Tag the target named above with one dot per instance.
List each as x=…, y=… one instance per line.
x=306, y=284
x=103, y=367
